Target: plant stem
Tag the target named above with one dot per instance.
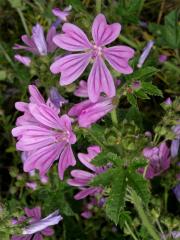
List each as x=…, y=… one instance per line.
x=146, y=222
x=98, y=6
x=23, y=20
x=114, y=117
x=131, y=232
x=129, y=42
x=172, y=66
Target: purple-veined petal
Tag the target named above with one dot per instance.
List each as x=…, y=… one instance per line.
x=36, y=96
x=48, y=231
x=103, y=33
x=49, y=39
x=21, y=106
x=95, y=112
x=77, y=182
x=66, y=159
x=100, y=80
x=23, y=59
x=73, y=39
x=39, y=39
x=118, y=57
x=43, y=156
x=34, y=212
x=81, y=174
x=45, y=115
x=42, y=224
x=37, y=236
x=77, y=108
x=70, y=67
x=85, y=192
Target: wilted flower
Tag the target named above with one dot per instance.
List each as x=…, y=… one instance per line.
x=145, y=53
x=46, y=137
x=37, y=227
x=23, y=59
x=72, y=66
x=159, y=160
x=62, y=15
x=37, y=43
x=56, y=99
x=82, y=178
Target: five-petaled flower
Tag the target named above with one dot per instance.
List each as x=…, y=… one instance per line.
x=44, y=136
x=72, y=66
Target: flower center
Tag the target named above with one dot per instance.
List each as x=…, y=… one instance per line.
x=62, y=136
x=96, y=51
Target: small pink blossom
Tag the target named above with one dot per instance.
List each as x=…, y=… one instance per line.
x=37, y=43
x=81, y=178
x=72, y=66
x=62, y=14
x=37, y=227
x=163, y=58
x=23, y=59
x=32, y=185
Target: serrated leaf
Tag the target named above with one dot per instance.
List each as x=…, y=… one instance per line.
x=104, y=179
x=116, y=200
x=133, y=114
x=151, y=89
x=143, y=73
x=105, y=157
x=132, y=100
x=141, y=94
x=139, y=184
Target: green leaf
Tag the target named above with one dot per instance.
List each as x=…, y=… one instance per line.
x=151, y=89
x=132, y=100
x=133, y=114
x=130, y=10
x=142, y=73
x=104, y=179
x=116, y=200
x=141, y=94
x=139, y=184
x=105, y=157
x=171, y=29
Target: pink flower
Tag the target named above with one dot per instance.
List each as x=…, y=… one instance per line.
x=159, y=160
x=163, y=58
x=62, y=15
x=37, y=43
x=37, y=227
x=82, y=178
x=46, y=137
x=72, y=66
x=32, y=185
x=23, y=59
x=88, y=112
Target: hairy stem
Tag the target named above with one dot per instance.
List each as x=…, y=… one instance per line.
x=98, y=6
x=23, y=21
x=130, y=230
x=145, y=220
x=114, y=117
x=129, y=42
